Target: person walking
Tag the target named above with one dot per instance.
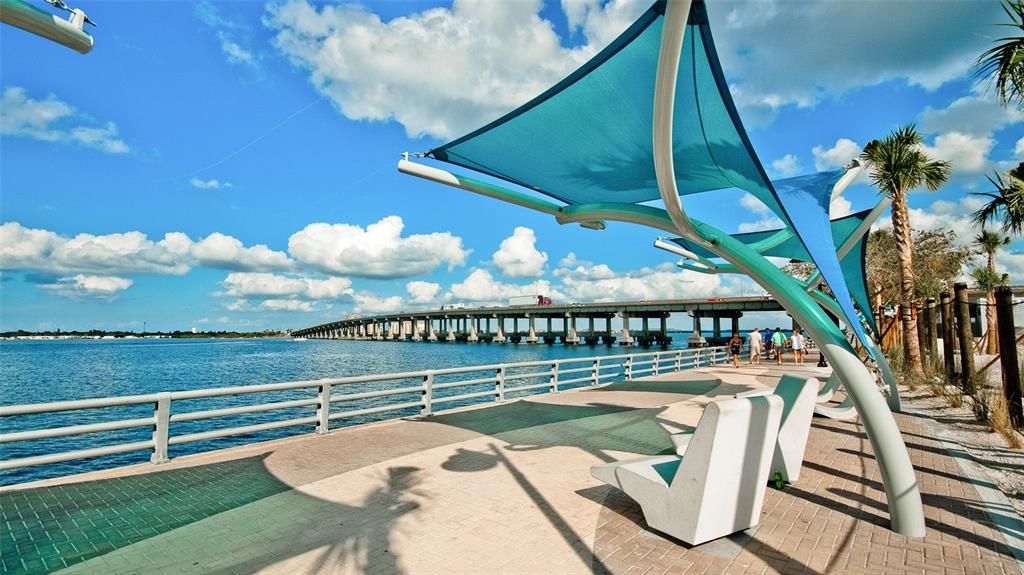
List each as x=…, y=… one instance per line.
x=778, y=344
x=799, y=351
x=735, y=348
x=755, y=346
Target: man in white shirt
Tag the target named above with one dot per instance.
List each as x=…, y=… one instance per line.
x=755, y=346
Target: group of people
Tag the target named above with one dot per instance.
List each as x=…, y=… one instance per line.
x=771, y=344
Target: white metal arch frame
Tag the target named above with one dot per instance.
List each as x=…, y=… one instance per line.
x=902, y=491
x=897, y=473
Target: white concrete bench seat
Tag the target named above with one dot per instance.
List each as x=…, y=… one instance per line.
x=843, y=411
x=829, y=389
x=716, y=487
x=798, y=397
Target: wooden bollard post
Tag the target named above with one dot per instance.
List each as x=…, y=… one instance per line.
x=963, y=325
x=946, y=315
x=929, y=319
x=1008, y=355
x=922, y=336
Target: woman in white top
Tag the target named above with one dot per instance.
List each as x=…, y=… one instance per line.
x=798, y=347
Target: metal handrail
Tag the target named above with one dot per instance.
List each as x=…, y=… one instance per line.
x=625, y=366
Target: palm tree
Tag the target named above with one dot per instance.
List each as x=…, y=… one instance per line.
x=987, y=279
x=1004, y=62
x=1006, y=204
x=898, y=165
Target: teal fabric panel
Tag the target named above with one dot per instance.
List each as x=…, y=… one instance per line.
x=588, y=138
x=806, y=199
x=855, y=271
x=791, y=248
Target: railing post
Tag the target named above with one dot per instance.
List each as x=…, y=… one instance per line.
x=696, y=359
x=323, y=408
x=679, y=360
x=427, y=395
x=499, y=385
x=963, y=324
x=655, y=364
x=627, y=368
x=161, y=428
x=596, y=371
x=554, y=377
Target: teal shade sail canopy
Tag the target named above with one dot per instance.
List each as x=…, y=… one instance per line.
x=784, y=243
x=588, y=138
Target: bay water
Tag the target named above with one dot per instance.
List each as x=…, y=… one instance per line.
x=34, y=371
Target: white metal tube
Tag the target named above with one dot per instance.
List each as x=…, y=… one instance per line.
x=50, y=26
x=372, y=394
x=381, y=409
x=451, y=384
x=75, y=429
x=55, y=406
x=209, y=414
x=240, y=430
x=448, y=399
x=79, y=454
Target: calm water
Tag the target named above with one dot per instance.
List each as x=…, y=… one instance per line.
x=40, y=371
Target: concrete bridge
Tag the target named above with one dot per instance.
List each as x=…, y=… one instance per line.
x=589, y=323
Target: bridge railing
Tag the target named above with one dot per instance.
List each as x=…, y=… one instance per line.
x=316, y=403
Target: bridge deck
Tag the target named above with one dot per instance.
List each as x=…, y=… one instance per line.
x=495, y=489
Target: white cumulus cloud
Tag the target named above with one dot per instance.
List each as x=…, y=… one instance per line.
x=421, y=292
x=518, y=256
x=752, y=204
x=213, y=184
x=482, y=288
x=83, y=286
x=370, y=303
x=773, y=62
x=788, y=165
x=600, y=283
x=378, y=251
x=837, y=156
x=979, y=115
x=225, y=252
x=52, y=120
x=129, y=252
x=764, y=224
x=967, y=153
x=276, y=286
x=442, y=71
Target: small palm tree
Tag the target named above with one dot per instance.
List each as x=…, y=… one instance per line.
x=899, y=165
x=1006, y=204
x=987, y=279
x=1004, y=62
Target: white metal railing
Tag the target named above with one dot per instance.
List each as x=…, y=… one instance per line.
x=430, y=391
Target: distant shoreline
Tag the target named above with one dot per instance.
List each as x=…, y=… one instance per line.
x=98, y=334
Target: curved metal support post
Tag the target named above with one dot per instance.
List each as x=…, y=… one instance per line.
x=901, y=488
x=883, y=364
x=684, y=253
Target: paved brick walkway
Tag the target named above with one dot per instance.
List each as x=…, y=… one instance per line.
x=498, y=489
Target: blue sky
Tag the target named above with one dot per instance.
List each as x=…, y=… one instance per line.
x=232, y=165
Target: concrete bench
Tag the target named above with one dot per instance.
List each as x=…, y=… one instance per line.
x=716, y=487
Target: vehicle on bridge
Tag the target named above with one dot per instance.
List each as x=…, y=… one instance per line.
x=529, y=300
